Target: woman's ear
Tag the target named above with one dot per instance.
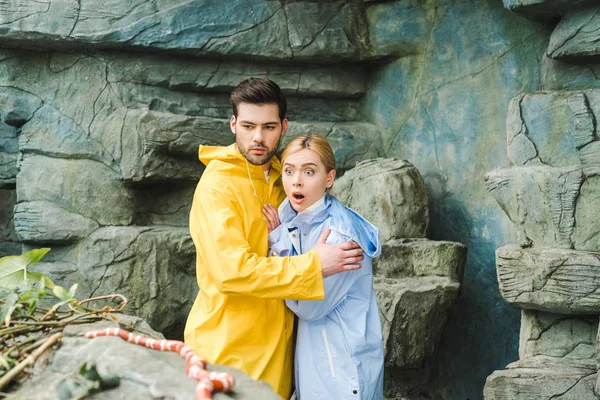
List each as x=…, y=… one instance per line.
x=330, y=178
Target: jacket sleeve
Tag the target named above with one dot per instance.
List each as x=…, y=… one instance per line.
x=216, y=227
x=336, y=287
x=280, y=243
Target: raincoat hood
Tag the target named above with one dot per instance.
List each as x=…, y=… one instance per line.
x=343, y=219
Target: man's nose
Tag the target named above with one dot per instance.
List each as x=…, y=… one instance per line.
x=258, y=135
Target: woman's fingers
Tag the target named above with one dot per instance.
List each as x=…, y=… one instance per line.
x=272, y=217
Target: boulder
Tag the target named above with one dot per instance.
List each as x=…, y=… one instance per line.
x=576, y=35
x=542, y=378
x=390, y=194
x=550, y=128
x=144, y=373
x=153, y=266
x=541, y=201
x=78, y=186
x=557, y=335
x=554, y=280
x=45, y=222
x=544, y=10
x=404, y=258
x=413, y=312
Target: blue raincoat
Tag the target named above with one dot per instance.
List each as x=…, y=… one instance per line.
x=339, y=347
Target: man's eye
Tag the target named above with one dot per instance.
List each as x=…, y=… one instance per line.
x=247, y=126
x=270, y=128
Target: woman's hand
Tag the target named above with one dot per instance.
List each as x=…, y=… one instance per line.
x=271, y=217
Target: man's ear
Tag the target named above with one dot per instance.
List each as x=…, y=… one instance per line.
x=232, y=124
x=330, y=178
x=284, y=126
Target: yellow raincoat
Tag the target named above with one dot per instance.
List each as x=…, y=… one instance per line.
x=239, y=317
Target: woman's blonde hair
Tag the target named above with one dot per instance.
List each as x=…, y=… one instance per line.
x=314, y=142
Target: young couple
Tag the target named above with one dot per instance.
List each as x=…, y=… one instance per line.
x=258, y=266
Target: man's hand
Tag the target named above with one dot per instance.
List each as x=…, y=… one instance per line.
x=338, y=257
x=271, y=217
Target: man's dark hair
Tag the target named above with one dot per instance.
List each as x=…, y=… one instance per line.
x=258, y=91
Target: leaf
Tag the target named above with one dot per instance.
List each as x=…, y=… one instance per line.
x=89, y=372
x=8, y=308
x=72, y=291
x=13, y=269
x=86, y=383
x=61, y=293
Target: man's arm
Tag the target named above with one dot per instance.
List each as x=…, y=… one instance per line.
x=336, y=289
x=216, y=226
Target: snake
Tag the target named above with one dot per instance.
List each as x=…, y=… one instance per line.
x=208, y=382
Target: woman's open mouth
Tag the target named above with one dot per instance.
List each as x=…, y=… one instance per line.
x=298, y=196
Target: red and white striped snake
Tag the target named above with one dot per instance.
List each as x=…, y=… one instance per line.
x=208, y=382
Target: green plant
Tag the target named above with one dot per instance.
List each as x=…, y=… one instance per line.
x=34, y=311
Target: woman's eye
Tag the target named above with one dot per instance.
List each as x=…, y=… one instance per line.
x=288, y=172
x=310, y=172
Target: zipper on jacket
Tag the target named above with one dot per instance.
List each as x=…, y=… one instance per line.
x=328, y=350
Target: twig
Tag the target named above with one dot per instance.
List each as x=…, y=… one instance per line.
x=13, y=373
x=122, y=305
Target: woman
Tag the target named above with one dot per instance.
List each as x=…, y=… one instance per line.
x=339, y=347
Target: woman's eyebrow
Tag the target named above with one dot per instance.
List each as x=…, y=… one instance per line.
x=302, y=165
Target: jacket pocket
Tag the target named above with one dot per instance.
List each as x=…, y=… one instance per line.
x=328, y=351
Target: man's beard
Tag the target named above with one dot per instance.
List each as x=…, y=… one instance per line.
x=256, y=159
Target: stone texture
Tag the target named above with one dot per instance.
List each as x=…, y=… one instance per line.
x=540, y=201
x=163, y=146
x=576, y=35
x=83, y=187
x=351, y=141
x=8, y=243
x=586, y=235
x=403, y=258
x=257, y=29
x=556, y=335
x=544, y=10
x=562, y=75
x=397, y=28
x=590, y=159
x=551, y=128
x=152, y=266
x=164, y=203
x=45, y=222
x=414, y=312
x=541, y=378
x=145, y=373
x=553, y=280
x=390, y=194
x=185, y=74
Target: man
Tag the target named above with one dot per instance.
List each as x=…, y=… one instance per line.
x=239, y=317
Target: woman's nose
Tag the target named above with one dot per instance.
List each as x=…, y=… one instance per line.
x=297, y=181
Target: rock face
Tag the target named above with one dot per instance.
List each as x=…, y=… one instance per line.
x=103, y=107
x=145, y=373
x=550, y=192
